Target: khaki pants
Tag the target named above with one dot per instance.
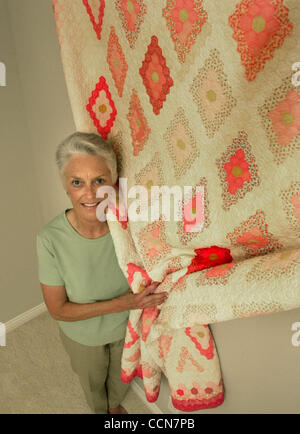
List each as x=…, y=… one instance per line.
x=99, y=370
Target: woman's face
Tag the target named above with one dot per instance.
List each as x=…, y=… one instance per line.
x=84, y=174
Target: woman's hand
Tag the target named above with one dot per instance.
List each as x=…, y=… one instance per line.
x=145, y=298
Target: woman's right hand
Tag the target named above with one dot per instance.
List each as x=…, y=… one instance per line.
x=143, y=299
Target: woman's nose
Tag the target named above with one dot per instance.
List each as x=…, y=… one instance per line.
x=90, y=190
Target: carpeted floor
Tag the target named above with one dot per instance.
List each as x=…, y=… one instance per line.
x=36, y=376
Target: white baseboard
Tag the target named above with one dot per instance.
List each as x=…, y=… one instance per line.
x=141, y=394
x=25, y=317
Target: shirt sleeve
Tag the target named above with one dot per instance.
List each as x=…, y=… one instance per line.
x=47, y=268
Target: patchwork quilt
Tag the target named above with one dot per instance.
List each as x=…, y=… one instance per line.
x=204, y=94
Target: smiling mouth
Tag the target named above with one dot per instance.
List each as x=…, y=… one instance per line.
x=90, y=205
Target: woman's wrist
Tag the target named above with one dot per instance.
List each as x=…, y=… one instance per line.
x=71, y=312
x=118, y=305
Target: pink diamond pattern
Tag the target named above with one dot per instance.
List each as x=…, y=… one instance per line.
x=116, y=61
x=102, y=108
x=156, y=75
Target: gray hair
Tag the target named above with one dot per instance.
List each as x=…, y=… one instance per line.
x=86, y=143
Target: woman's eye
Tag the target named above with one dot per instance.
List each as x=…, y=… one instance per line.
x=100, y=180
x=76, y=182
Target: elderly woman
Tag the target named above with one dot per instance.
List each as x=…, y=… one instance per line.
x=83, y=286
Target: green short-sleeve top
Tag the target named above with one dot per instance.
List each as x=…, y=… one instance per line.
x=89, y=270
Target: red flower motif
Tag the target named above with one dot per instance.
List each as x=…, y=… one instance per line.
x=184, y=12
x=207, y=352
x=260, y=27
x=132, y=268
x=286, y=118
x=133, y=334
x=132, y=14
x=185, y=19
x=237, y=171
x=138, y=124
x=259, y=24
x=194, y=391
x=116, y=61
x=131, y=11
x=102, y=108
x=209, y=257
x=156, y=75
x=180, y=392
x=97, y=26
x=208, y=390
x=254, y=239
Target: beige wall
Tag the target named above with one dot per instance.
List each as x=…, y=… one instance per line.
x=19, y=209
x=47, y=106
x=260, y=366
x=35, y=115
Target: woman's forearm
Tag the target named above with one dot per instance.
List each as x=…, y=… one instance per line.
x=70, y=311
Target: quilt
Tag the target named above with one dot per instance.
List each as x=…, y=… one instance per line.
x=200, y=97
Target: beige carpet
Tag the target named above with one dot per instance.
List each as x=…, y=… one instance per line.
x=36, y=376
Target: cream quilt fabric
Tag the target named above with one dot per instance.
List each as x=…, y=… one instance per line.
x=195, y=93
